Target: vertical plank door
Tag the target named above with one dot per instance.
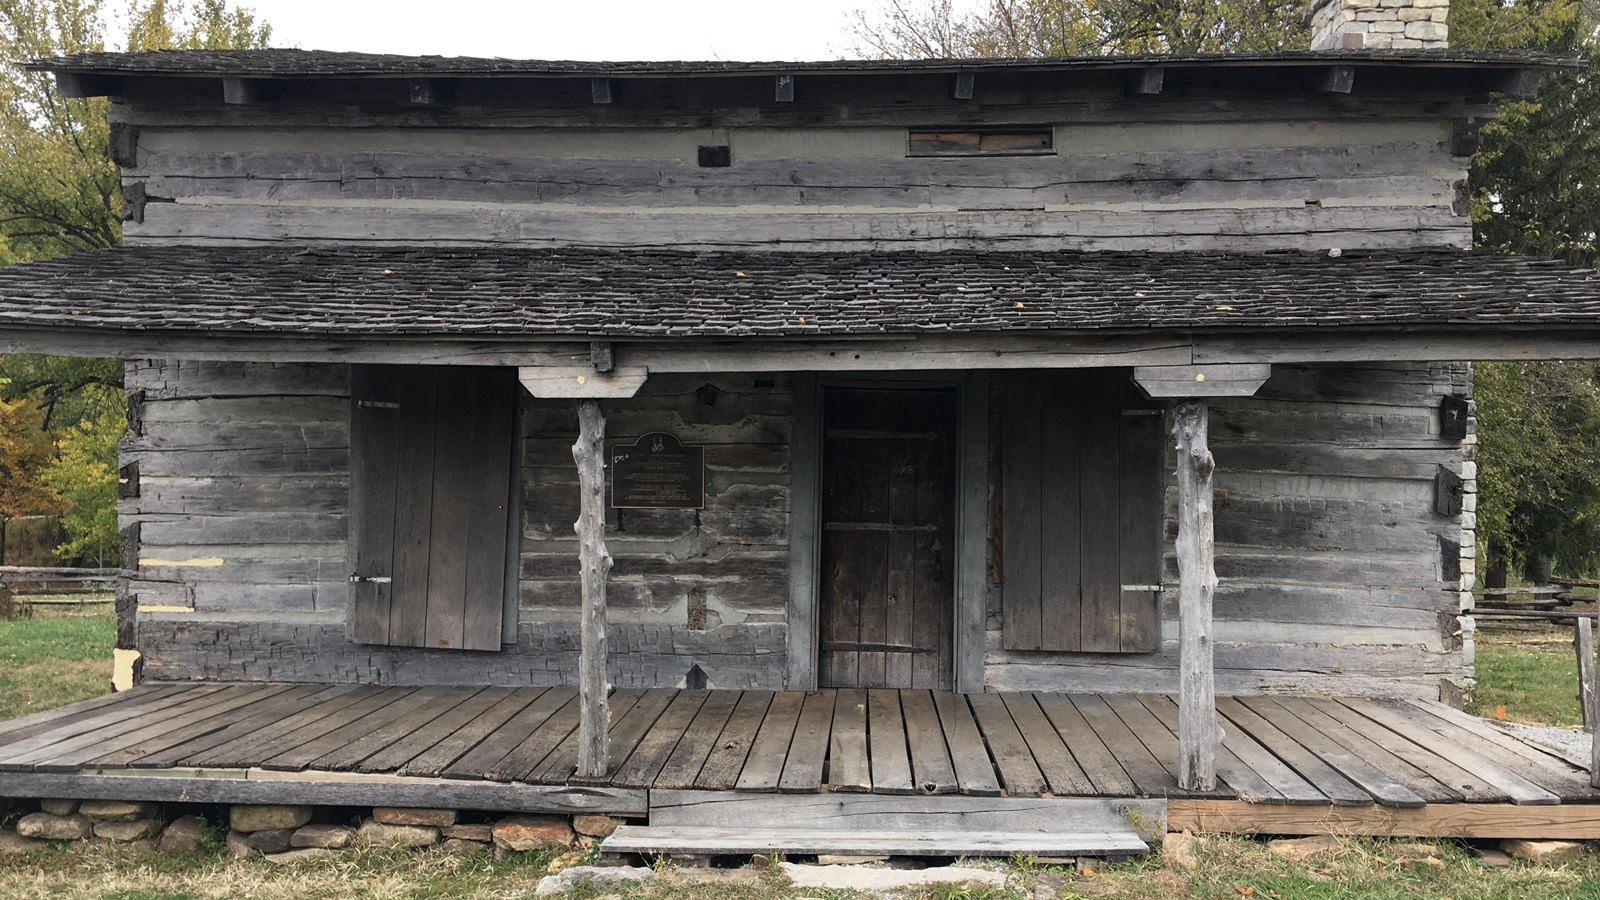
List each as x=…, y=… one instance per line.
x=886, y=589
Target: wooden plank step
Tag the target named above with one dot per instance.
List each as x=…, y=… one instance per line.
x=659, y=839
x=906, y=812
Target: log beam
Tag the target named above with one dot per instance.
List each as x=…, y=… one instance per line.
x=1198, y=731
x=1215, y=380
x=582, y=382
x=594, y=712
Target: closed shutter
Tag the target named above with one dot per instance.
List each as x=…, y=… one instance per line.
x=1082, y=513
x=431, y=450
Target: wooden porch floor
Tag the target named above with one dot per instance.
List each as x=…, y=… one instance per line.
x=1284, y=750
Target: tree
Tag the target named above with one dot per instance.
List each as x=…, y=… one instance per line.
x=25, y=452
x=61, y=193
x=83, y=474
x=939, y=29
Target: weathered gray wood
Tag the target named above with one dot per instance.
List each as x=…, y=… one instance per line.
x=805, y=455
x=1198, y=731
x=1253, y=230
x=878, y=812
x=743, y=841
x=1583, y=643
x=582, y=382
x=594, y=723
x=859, y=171
x=329, y=789
x=920, y=353
x=1202, y=381
x=972, y=535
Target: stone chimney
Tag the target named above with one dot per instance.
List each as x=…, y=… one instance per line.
x=1379, y=24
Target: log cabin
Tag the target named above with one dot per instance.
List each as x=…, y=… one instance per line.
x=940, y=435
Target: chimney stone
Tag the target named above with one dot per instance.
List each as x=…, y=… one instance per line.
x=1380, y=24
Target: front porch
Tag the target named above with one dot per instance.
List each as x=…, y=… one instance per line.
x=1287, y=764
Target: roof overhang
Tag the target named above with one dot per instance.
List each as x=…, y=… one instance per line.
x=250, y=75
x=752, y=311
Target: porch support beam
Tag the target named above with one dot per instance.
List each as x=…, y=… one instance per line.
x=582, y=382
x=1216, y=380
x=1198, y=730
x=594, y=712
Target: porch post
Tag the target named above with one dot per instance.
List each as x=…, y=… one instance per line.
x=1198, y=731
x=594, y=563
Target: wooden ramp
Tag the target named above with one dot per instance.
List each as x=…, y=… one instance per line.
x=1334, y=759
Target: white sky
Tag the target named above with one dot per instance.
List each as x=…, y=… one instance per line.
x=568, y=29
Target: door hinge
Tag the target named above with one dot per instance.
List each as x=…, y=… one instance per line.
x=377, y=404
x=369, y=579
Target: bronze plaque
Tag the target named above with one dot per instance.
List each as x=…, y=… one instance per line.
x=657, y=472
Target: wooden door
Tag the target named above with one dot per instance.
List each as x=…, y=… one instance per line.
x=430, y=460
x=888, y=517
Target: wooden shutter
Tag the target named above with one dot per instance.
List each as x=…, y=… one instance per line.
x=430, y=461
x=1082, y=513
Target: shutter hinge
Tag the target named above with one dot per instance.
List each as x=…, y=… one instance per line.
x=374, y=579
x=377, y=404
x=1143, y=412
x=1141, y=587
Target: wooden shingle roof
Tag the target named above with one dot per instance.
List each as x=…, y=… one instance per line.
x=290, y=63
x=649, y=294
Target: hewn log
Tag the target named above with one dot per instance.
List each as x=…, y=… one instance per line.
x=1591, y=711
x=1583, y=643
x=1198, y=731
x=594, y=713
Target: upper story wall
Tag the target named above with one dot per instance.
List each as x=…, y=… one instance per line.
x=1207, y=164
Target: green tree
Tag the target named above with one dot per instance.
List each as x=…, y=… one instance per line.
x=61, y=193
x=83, y=474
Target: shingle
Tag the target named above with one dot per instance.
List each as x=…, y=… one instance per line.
x=289, y=63
x=619, y=293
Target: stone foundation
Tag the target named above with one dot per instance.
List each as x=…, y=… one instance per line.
x=284, y=833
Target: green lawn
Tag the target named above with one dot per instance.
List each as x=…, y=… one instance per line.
x=1534, y=676
x=46, y=663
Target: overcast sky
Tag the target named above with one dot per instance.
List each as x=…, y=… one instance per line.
x=568, y=29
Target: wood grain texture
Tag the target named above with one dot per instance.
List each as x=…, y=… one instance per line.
x=594, y=723
x=1198, y=732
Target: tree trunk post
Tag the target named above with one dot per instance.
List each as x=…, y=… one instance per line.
x=1198, y=731
x=594, y=710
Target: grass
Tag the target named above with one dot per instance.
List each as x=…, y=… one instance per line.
x=45, y=663
x=1528, y=677
x=1226, y=869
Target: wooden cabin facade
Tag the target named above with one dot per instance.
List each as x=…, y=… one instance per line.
x=886, y=379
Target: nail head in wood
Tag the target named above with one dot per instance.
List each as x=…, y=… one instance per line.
x=962, y=85
x=600, y=90
x=1146, y=81
x=785, y=89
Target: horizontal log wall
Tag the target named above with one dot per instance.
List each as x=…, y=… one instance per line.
x=243, y=490
x=1336, y=572
x=1256, y=176
x=725, y=564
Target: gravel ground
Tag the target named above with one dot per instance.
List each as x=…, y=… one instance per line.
x=1573, y=744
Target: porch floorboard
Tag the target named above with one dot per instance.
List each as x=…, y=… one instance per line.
x=1338, y=751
